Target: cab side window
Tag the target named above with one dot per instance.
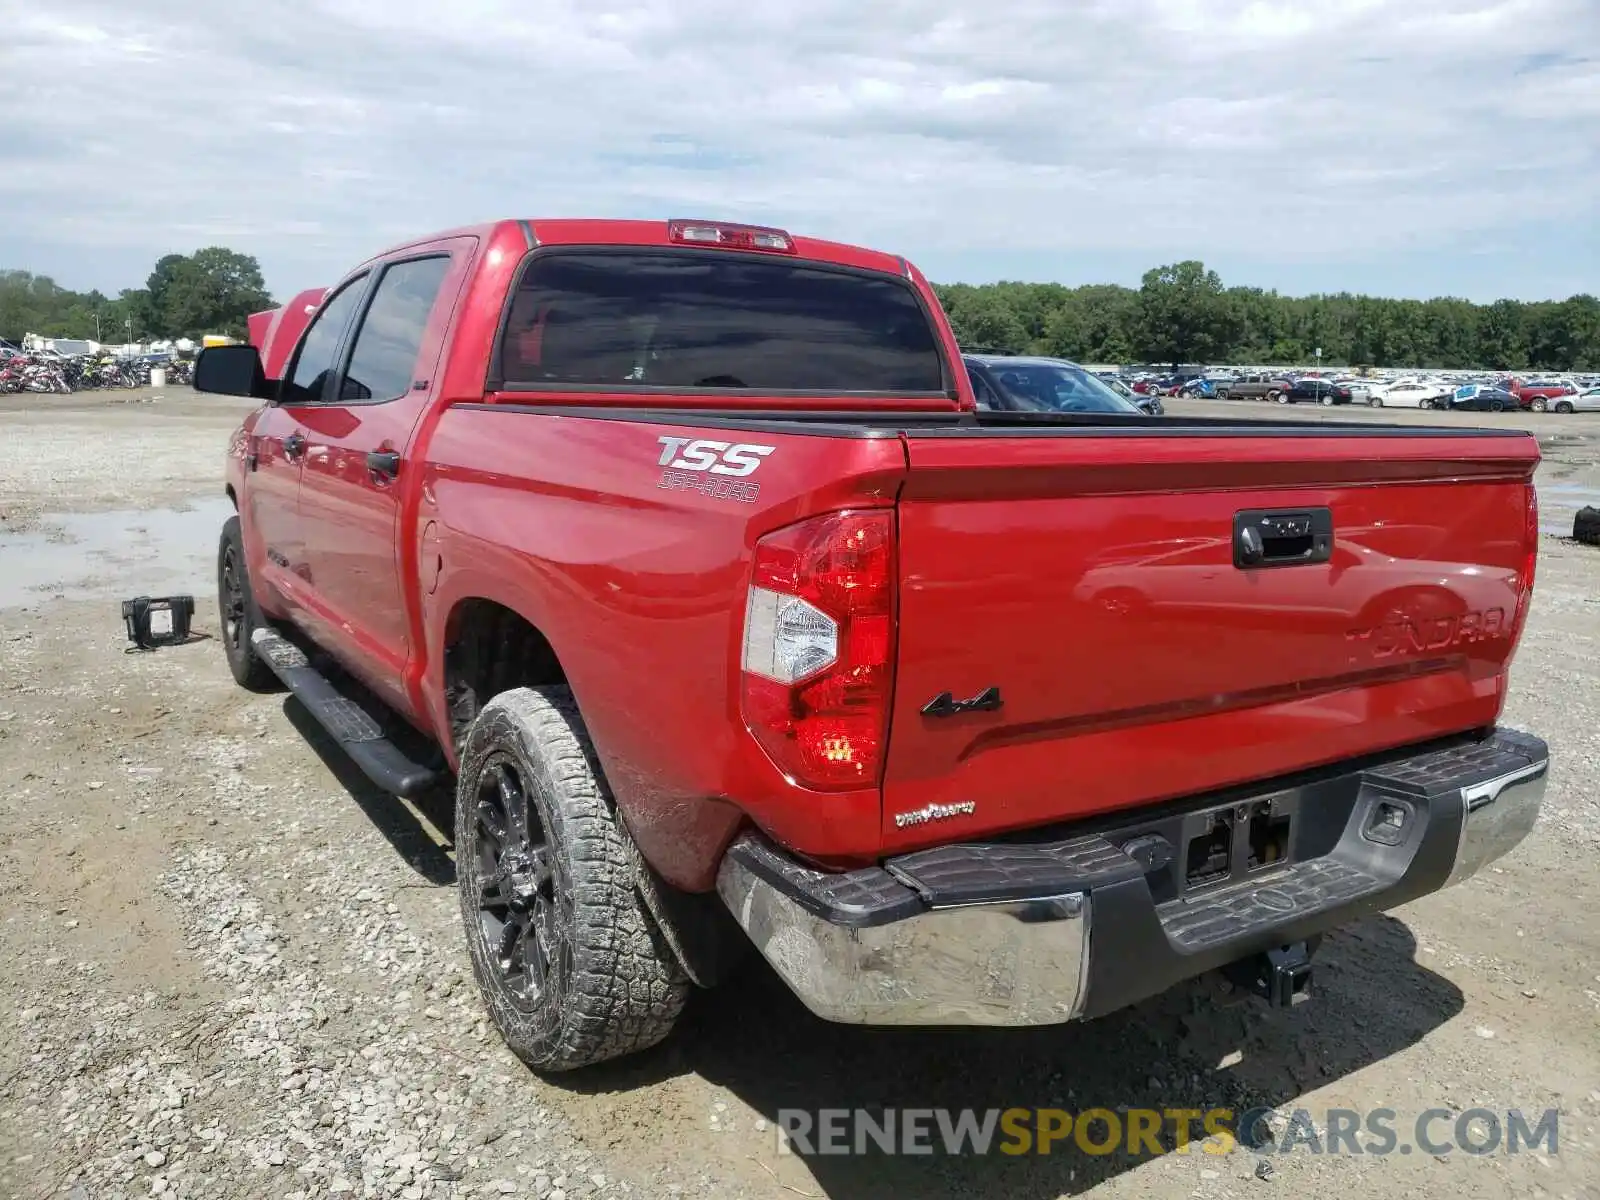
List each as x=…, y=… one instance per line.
x=306, y=381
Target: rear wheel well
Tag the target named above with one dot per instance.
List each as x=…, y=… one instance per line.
x=490, y=649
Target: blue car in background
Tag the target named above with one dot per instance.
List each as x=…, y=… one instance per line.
x=1200, y=389
x=1479, y=397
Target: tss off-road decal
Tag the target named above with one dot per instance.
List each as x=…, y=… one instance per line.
x=712, y=468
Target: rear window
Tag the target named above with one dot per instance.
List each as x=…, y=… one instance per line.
x=687, y=320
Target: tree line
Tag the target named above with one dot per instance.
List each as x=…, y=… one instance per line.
x=1182, y=313
x=212, y=290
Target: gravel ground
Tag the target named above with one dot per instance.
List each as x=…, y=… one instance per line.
x=235, y=970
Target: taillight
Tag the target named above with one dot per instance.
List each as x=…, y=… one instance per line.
x=1530, y=563
x=818, y=648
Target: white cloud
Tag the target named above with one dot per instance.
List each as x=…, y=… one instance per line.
x=314, y=132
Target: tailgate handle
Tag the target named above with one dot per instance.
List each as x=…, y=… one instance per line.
x=1275, y=537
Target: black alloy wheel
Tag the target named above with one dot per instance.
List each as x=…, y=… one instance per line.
x=524, y=905
x=236, y=609
x=235, y=621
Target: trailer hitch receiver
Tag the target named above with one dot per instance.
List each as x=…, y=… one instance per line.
x=1281, y=977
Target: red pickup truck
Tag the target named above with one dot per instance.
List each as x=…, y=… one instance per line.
x=683, y=549
x=1538, y=396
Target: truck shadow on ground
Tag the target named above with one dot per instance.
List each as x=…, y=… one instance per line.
x=396, y=819
x=1373, y=1000
x=1198, y=1046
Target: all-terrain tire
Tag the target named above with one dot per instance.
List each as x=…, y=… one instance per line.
x=239, y=614
x=610, y=984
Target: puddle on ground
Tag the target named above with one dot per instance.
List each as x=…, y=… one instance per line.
x=1571, y=492
x=114, y=555
x=1559, y=502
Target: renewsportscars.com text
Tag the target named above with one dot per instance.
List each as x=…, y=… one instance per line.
x=1150, y=1131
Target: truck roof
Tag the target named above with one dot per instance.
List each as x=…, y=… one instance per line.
x=590, y=231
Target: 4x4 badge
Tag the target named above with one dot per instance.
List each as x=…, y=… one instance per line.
x=946, y=705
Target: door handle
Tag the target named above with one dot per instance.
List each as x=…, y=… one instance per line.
x=384, y=462
x=293, y=446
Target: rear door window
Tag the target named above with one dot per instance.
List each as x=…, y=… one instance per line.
x=682, y=320
x=386, y=347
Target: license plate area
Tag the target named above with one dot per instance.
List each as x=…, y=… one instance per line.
x=1235, y=841
x=1217, y=846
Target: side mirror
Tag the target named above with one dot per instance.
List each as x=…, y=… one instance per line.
x=231, y=371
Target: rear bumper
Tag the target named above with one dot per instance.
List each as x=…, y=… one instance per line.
x=1069, y=924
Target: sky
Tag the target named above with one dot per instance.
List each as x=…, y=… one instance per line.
x=1395, y=147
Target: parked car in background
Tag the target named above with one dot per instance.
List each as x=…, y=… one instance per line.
x=1006, y=383
x=1567, y=402
x=1172, y=383
x=1253, y=387
x=1480, y=397
x=1588, y=400
x=1409, y=393
x=1321, y=391
x=1360, y=389
x=1529, y=391
x=1200, y=389
x=1149, y=403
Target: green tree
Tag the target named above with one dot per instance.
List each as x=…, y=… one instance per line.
x=1184, y=315
x=1093, y=324
x=1566, y=336
x=1503, y=336
x=983, y=320
x=210, y=291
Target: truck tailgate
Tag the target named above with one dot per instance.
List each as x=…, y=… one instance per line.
x=1103, y=582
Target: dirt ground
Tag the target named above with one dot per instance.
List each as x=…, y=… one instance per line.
x=233, y=969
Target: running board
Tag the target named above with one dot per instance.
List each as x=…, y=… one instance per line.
x=347, y=722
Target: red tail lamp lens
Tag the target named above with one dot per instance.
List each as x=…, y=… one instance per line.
x=818, y=648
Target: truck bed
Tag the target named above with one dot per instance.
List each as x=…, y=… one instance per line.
x=1085, y=566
